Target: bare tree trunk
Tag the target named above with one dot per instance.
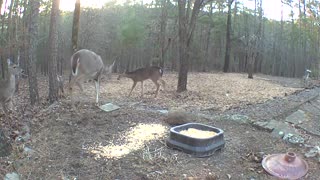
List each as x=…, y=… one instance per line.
x=4, y=64
x=53, y=52
x=228, y=40
x=23, y=48
x=1, y=2
x=210, y=25
x=186, y=29
x=32, y=54
x=9, y=30
x=75, y=26
x=163, y=26
x=183, y=59
x=259, y=58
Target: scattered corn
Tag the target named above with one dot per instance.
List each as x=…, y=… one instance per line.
x=196, y=133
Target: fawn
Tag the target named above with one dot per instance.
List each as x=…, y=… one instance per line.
x=139, y=75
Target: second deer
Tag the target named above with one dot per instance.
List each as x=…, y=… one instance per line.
x=8, y=86
x=139, y=75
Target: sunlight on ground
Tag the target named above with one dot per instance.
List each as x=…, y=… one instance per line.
x=135, y=139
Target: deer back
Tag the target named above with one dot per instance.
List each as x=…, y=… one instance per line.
x=141, y=74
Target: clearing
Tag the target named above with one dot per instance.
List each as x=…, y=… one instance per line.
x=129, y=143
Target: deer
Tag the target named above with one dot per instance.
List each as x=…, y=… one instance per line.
x=8, y=86
x=87, y=65
x=306, y=77
x=139, y=75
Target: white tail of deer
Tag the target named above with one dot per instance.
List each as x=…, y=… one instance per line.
x=8, y=86
x=87, y=65
x=60, y=85
x=154, y=73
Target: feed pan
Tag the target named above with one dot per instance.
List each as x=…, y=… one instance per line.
x=199, y=147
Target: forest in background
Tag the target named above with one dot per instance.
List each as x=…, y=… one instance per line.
x=136, y=35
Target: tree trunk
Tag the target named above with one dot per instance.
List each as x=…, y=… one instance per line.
x=32, y=54
x=1, y=2
x=9, y=30
x=186, y=29
x=210, y=25
x=163, y=27
x=23, y=48
x=228, y=40
x=53, y=52
x=4, y=65
x=75, y=26
x=250, y=66
x=183, y=57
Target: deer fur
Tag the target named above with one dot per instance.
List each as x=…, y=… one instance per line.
x=139, y=75
x=87, y=65
x=8, y=86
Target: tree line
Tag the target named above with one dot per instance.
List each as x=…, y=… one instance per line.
x=183, y=36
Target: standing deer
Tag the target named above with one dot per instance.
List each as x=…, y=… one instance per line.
x=87, y=65
x=8, y=86
x=306, y=78
x=154, y=73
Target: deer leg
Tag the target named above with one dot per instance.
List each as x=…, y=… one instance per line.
x=141, y=88
x=134, y=85
x=61, y=91
x=158, y=87
x=80, y=86
x=11, y=105
x=97, y=83
x=163, y=83
x=4, y=108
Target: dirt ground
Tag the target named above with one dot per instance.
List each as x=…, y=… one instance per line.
x=76, y=143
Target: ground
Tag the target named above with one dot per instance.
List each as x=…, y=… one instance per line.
x=76, y=142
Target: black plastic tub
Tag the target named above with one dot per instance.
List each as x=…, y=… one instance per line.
x=199, y=147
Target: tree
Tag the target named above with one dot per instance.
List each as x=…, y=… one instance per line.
x=228, y=40
x=53, y=53
x=75, y=26
x=163, y=27
x=252, y=52
x=187, y=25
x=32, y=56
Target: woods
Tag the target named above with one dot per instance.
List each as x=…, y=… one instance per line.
x=96, y=89
x=179, y=36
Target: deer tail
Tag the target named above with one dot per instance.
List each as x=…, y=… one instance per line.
x=161, y=71
x=75, y=66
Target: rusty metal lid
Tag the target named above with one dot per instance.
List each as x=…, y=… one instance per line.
x=285, y=166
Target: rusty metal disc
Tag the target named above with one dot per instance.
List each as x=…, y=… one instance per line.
x=285, y=166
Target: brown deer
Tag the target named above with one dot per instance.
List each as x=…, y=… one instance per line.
x=139, y=75
x=87, y=65
x=8, y=86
